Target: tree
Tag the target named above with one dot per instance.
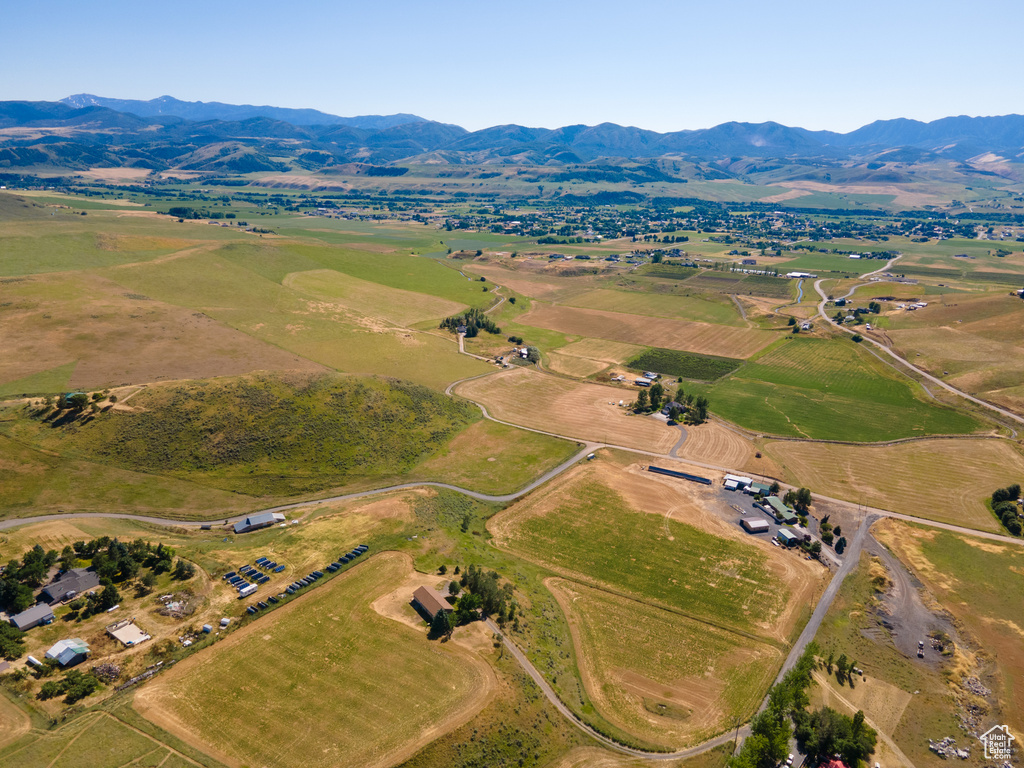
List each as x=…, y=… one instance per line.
x=792, y=321
x=184, y=570
x=840, y=545
x=511, y=299
x=441, y=625
x=657, y=393
x=11, y=642
x=108, y=598
x=641, y=400
x=700, y=410
x=453, y=588
x=774, y=489
x=443, y=569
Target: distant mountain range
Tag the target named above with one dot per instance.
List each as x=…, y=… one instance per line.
x=85, y=131
x=215, y=110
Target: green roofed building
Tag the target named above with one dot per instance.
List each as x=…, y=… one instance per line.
x=788, y=538
x=780, y=511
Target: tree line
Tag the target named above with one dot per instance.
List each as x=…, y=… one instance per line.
x=685, y=406
x=474, y=320
x=1004, y=504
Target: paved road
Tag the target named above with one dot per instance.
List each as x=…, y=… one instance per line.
x=903, y=361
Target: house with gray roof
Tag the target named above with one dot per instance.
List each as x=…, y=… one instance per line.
x=33, y=617
x=69, y=584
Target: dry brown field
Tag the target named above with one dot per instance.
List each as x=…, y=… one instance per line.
x=943, y=480
x=667, y=333
x=712, y=443
x=531, y=282
x=559, y=406
x=114, y=336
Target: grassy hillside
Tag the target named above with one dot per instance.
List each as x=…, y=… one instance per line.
x=266, y=435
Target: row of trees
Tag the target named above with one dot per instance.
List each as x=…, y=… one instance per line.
x=820, y=733
x=1004, y=504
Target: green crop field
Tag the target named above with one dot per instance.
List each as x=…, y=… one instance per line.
x=663, y=694
x=594, y=536
x=767, y=286
x=670, y=362
x=311, y=698
x=829, y=389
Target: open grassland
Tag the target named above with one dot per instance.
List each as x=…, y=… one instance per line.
x=829, y=389
x=577, y=367
x=495, y=458
x=86, y=331
x=371, y=299
x=322, y=331
x=904, y=477
x=582, y=411
x=852, y=626
x=688, y=683
x=625, y=530
x=712, y=309
x=982, y=584
x=38, y=482
x=530, y=281
x=310, y=700
x=683, y=335
x=669, y=362
x=262, y=435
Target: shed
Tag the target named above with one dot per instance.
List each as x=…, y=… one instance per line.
x=69, y=584
x=255, y=522
x=69, y=652
x=33, y=617
x=788, y=538
x=127, y=632
x=755, y=488
x=755, y=524
x=430, y=601
x=738, y=481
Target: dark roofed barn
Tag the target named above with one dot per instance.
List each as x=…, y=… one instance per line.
x=430, y=602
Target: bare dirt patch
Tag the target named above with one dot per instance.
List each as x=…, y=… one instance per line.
x=684, y=335
x=585, y=411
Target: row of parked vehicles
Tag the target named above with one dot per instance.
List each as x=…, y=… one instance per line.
x=306, y=581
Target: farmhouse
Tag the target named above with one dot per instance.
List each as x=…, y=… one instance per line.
x=255, y=522
x=787, y=538
x=430, y=602
x=755, y=524
x=69, y=652
x=127, y=632
x=33, y=617
x=68, y=585
x=780, y=511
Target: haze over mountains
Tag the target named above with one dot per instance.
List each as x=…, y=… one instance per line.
x=85, y=130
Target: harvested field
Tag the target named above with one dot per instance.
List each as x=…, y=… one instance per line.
x=944, y=480
x=580, y=367
x=583, y=411
x=532, y=284
x=958, y=571
x=310, y=700
x=712, y=443
x=13, y=722
x=654, y=539
x=698, y=309
x=601, y=350
x=683, y=335
x=111, y=336
x=660, y=676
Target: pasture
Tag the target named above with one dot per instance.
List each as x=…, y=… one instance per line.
x=578, y=410
x=627, y=531
x=310, y=700
x=99, y=740
x=829, y=389
x=659, y=676
x=683, y=335
x=959, y=572
x=903, y=477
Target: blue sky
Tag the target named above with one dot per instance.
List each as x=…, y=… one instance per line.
x=660, y=65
